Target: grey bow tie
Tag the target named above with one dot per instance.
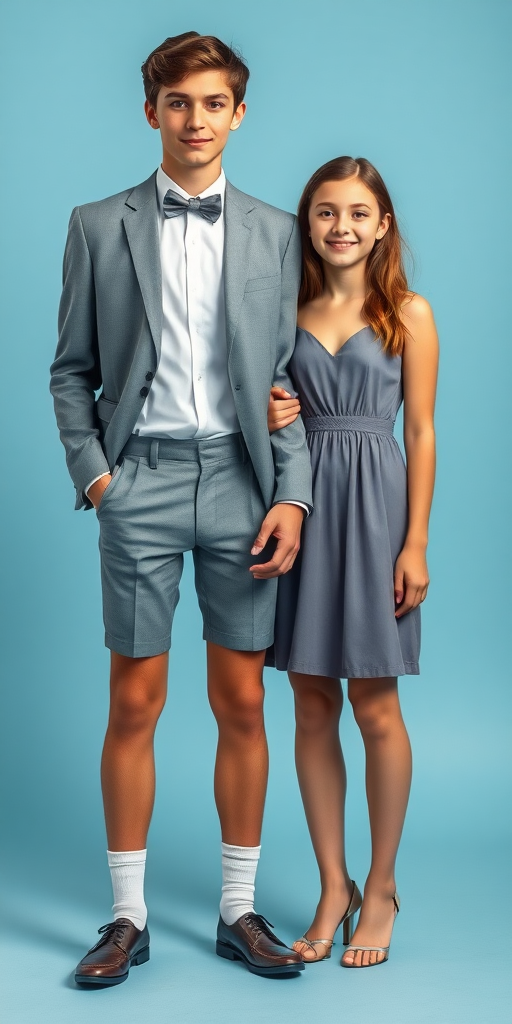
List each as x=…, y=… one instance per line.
x=210, y=208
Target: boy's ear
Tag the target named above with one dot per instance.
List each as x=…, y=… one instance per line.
x=238, y=117
x=150, y=113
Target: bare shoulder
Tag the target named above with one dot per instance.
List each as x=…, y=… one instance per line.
x=421, y=347
x=417, y=311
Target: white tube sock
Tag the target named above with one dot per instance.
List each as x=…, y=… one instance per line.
x=239, y=865
x=127, y=873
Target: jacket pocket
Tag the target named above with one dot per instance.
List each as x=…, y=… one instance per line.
x=105, y=409
x=257, y=284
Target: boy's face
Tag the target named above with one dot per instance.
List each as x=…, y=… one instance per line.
x=195, y=117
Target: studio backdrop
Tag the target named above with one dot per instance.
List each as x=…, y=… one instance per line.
x=422, y=89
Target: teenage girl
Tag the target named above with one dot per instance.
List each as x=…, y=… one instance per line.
x=350, y=606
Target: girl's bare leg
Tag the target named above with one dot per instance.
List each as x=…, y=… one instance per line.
x=388, y=778
x=322, y=780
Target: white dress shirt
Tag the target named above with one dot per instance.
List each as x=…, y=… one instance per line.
x=191, y=396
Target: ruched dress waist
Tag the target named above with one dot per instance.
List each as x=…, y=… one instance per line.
x=370, y=424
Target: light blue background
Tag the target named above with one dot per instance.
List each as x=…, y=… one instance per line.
x=422, y=89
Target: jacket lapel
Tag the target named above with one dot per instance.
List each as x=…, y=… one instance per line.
x=141, y=226
x=236, y=265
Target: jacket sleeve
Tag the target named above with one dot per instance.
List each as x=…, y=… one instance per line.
x=75, y=372
x=291, y=455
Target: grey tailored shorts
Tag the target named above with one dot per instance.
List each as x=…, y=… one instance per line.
x=168, y=497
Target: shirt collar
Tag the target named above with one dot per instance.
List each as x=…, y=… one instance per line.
x=164, y=182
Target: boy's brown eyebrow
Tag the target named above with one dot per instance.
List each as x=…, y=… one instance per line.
x=186, y=95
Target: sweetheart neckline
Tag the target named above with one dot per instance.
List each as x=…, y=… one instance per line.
x=345, y=343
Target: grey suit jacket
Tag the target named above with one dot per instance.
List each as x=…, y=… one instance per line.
x=110, y=325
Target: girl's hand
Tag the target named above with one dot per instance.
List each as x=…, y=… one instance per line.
x=282, y=409
x=411, y=580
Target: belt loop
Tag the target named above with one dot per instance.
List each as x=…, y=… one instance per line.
x=153, y=453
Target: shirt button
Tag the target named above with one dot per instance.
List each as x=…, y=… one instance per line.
x=238, y=387
x=144, y=392
x=199, y=377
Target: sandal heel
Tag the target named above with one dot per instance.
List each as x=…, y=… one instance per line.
x=384, y=950
x=348, y=922
x=349, y=925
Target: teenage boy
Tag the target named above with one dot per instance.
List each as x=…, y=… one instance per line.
x=179, y=302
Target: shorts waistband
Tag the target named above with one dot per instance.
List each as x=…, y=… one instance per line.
x=186, y=450
x=371, y=424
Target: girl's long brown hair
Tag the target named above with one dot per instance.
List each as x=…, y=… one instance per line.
x=386, y=281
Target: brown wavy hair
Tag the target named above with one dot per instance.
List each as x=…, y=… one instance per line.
x=179, y=56
x=386, y=280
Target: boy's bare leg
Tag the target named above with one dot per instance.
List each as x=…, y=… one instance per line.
x=138, y=688
x=235, y=691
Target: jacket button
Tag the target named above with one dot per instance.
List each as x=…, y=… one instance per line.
x=143, y=392
x=149, y=375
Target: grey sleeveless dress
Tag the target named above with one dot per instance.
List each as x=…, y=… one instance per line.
x=335, y=609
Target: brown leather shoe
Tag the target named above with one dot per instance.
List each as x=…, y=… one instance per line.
x=120, y=947
x=249, y=939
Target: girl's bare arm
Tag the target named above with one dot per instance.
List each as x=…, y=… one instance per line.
x=419, y=363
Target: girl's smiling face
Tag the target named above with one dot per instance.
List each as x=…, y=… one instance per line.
x=345, y=221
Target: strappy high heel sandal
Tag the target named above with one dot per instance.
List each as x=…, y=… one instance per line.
x=348, y=930
x=372, y=949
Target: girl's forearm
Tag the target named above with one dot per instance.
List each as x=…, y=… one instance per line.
x=420, y=450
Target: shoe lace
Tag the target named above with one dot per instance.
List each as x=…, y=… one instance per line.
x=114, y=931
x=260, y=925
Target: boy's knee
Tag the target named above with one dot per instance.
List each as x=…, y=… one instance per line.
x=137, y=695
x=242, y=711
